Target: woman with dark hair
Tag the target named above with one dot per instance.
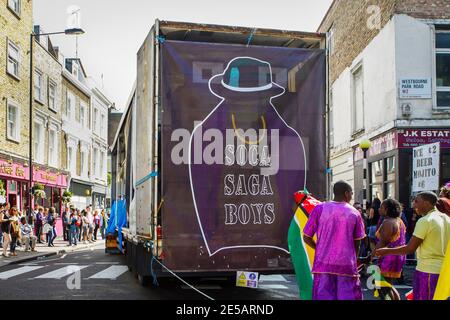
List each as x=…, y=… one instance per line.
x=391, y=234
x=373, y=219
x=5, y=226
x=443, y=204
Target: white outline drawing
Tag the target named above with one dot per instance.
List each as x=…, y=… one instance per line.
x=254, y=89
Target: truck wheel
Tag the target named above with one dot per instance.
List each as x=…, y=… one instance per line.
x=143, y=280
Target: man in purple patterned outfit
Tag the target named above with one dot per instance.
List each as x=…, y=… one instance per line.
x=339, y=228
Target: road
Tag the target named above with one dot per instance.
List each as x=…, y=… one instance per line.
x=92, y=274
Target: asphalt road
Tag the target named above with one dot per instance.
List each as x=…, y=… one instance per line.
x=92, y=274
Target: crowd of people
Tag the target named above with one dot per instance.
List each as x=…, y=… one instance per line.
x=83, y=225
x=381, y=234
x=18, y=229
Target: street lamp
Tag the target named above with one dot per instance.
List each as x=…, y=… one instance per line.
x=365, y=145
x=71, y=31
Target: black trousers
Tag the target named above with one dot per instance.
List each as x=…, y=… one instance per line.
x=65, y=232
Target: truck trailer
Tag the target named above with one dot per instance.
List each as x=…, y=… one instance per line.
x=222, y=127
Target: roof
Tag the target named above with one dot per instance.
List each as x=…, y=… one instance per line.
x=69, y=65
x=326, y=14
x=124, y=116
x=239, y=35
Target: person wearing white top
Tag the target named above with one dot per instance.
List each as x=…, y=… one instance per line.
x=27, y=235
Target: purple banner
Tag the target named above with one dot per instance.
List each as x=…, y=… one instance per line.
x=243, y=130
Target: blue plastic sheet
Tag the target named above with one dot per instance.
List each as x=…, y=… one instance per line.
x=118, y=219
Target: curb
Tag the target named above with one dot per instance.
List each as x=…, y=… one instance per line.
x=43, y=255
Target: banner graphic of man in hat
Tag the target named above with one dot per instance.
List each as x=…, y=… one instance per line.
x=264, y=161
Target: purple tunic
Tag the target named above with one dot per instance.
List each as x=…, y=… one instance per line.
x=391, y=266
x=337, y=225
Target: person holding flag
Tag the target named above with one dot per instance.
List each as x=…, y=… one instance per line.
x=339, y=229
x=430, y=239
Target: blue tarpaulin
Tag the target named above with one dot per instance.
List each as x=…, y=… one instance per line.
x=117, y=219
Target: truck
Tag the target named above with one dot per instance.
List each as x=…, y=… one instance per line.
x=223, y=125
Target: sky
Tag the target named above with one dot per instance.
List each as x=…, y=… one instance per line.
x=115, y=29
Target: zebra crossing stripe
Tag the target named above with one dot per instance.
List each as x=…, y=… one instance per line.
x=272, y=278
x=62, y=272
x=15, y=272
x=112, y=272
x=273, y=286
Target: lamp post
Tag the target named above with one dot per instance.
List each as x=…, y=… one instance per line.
x=72, y=31
x=365, y=145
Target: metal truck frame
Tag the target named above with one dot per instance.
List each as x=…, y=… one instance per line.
x=130, y=176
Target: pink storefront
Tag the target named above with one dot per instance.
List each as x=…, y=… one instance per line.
x=14, y=176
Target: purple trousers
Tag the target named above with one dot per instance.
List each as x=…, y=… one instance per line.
x=333, y=287
x=424, y=285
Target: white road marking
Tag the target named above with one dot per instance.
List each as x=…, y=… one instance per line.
x=203, y=287
x=15, y=272
x=62, y=272
x=402, y=287
x=272, y=278
x=273, y=286
x=112, y=272
x=115, y=262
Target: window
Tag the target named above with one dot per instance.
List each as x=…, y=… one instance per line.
x=83, y=163
x=82, y=114
x=70, y=162
x=38, y=141
x=443, y=69
x=382, y=178
x=13, y=122
x=70, y=103
x=38, y=79
x=358, y=100
x=75, y=69
x=52, y=95
x=95, y=120
x=13, y=59
x=95, y=161
x=330, y=40
x=53, y=146
x=102, y=125
x=102, y=159
x=376, y=180
x=14, y=5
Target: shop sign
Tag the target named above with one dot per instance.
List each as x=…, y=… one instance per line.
x=426, y=165
x=384, y=143
x=13, y=170
x=416, y=88
x=411, y=138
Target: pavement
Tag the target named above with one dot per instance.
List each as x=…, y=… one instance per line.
x=43, y=251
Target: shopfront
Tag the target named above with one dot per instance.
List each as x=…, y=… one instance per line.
x=81, y=193
x=99, y=196
x=390, y=163
x=14, y=175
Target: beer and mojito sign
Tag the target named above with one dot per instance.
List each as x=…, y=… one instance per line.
x=426, y=162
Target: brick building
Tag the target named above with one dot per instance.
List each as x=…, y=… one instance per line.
x=389, y=82
x=15, y=29
x=47, y=123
